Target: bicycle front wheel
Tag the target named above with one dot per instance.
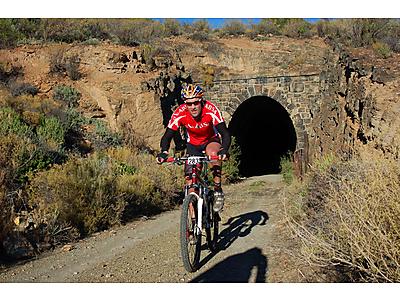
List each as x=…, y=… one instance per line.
x=212, y=232
x=190, y=239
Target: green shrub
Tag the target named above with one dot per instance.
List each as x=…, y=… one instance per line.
x=230, y=168
x=80, y=193
x=9, y=34
x=264, y=27
x=133, y=32
x=233, y=27
x=11, y=147
x=91, y=42
x=172, y=27
x=298, y=28
x=12, y=123
x=41, y=145
x=67, y=94
x=93, y=194
x=102, y=137
x=286, y=166
x=382, y=49
x=51, y=132
x=200, y=36
x=63, y=30
x=361, y=32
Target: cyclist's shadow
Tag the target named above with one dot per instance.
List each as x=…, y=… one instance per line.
x=249, y=266
x=239, y=226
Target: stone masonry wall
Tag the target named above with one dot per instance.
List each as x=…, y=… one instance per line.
x=299, y=95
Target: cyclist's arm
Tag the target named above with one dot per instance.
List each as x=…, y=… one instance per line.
x=225, y=136
x=166, y=139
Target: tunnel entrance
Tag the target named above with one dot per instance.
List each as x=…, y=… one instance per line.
x=264, y=132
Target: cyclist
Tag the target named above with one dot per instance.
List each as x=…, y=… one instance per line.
x=206, y=131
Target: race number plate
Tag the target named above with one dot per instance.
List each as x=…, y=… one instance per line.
x=193, y=160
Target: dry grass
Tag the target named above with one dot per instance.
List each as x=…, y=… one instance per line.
x=347, y=217
x=105, y=189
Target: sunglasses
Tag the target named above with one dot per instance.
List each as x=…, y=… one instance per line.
x=197, y=102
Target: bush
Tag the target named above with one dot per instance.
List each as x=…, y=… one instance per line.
x=298, y=28
x=12, y=123
x=172, y=27
x=361, y=32
x=9, y=72
x=350, y=219
x=62, y=30
x=67, y=94
x=92, y=42
x=102, y=137
x=9, y=34
x=230, y=168
x=133, y=32
x=207, y=74
x=51, y=133
x=95, y=193
x=63, y=65
x=20, y=88
x=72, y=67
x=11, y=149
x=201, y=26
x=41, y=146
x=382, y=49
x=233, y=27
x=264, y=27
x=286, y=166
x=200, y=36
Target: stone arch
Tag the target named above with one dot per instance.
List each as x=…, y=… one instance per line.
x=264, y=132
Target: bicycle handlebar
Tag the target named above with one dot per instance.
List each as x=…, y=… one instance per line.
x=210, y=158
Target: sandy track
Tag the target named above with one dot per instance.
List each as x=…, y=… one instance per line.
x=252, y=248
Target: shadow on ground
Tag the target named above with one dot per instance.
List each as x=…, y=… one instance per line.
x=238, y=226
x=249, y=266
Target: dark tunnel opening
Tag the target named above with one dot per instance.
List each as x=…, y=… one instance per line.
x=264, y=133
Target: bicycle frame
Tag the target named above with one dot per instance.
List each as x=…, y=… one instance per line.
x=197, y=212
x=199, y=181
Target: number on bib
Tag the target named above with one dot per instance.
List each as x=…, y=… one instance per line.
x=193, y=160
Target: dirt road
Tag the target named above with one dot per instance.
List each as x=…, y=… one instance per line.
x=253, y=247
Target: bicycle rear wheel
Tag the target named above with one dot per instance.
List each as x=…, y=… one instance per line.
x=190, y=240
x=213, y=231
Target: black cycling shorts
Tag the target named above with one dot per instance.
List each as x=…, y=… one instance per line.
x=197, y=151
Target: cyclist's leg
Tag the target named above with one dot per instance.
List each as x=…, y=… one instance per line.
x=191, y=150
x=212, y=149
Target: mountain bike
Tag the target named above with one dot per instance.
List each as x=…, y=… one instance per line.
x=197, y=215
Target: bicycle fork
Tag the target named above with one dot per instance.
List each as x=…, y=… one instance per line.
x=199, y=226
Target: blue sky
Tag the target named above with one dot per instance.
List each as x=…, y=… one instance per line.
x=219, y=22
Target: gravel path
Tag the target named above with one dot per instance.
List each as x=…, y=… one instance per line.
x=253, y=247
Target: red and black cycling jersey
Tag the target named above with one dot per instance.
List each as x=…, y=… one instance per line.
x=199, y=131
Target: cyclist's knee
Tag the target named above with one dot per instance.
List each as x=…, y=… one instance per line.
x=213, y=148
x=216, y=170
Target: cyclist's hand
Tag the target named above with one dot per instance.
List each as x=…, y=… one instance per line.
x=222, y=155
x=161, y=157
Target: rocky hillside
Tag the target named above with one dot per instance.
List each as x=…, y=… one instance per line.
x=134, y=88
